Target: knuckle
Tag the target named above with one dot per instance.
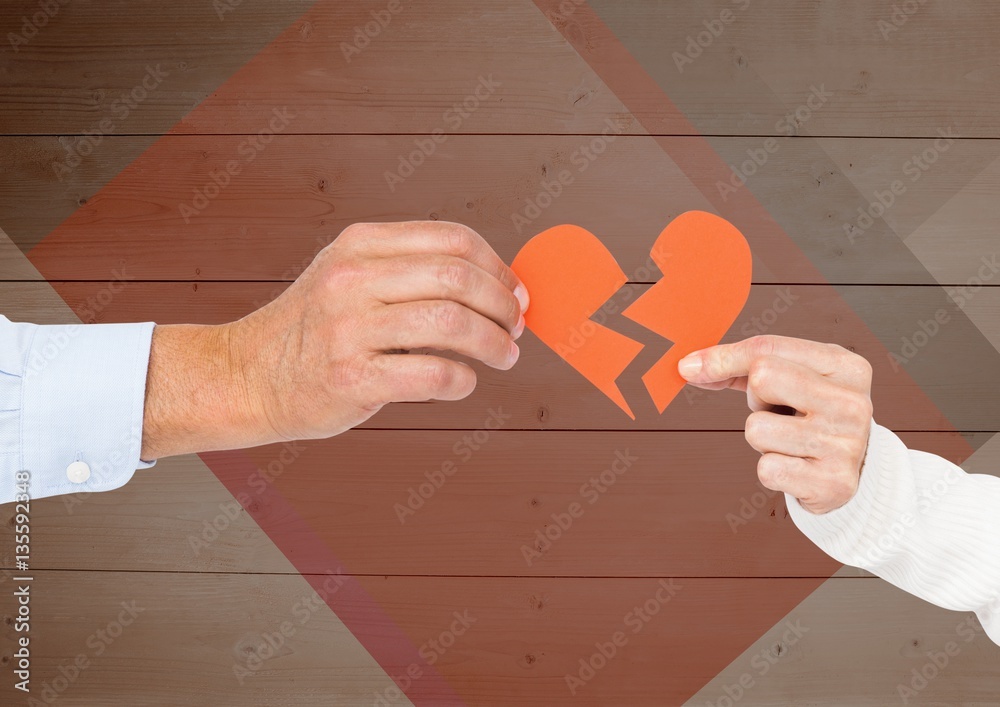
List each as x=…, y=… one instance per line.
x=862, y=369
x=817, y=444
x=854, y=365
x=850, y=360
x=841, y=450
x=837, y=351
x=770, y=472
x=867, y=411
x=755, y=428
x=857, y=408
x=460, y=240
x=455, y=276
x=449, y=318
x=355, y=234
x=349, y=375
x=763, y=345
x=497, y=341
x=760, y=372
x=438, y=375
x=831, y=449
x=343, y=272
x=719, y=361
x=351, y=232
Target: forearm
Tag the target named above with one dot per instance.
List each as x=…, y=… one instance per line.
x=197, y=396
x=922, y=524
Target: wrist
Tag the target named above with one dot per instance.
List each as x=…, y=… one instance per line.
x=251, y=364
x=199, y=395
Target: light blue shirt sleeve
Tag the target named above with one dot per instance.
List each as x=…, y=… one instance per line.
x=71, y=406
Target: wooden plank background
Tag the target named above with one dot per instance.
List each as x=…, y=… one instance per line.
x=483, y=181
x=208, y=603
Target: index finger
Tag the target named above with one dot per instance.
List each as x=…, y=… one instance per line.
x=440, y=238
x=727, y=365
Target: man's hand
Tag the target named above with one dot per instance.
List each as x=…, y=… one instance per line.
x=332, y=349
x=815, y=454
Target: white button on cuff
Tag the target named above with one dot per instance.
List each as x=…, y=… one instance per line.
x=78, y=472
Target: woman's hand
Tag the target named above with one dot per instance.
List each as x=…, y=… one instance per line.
x=815, y=454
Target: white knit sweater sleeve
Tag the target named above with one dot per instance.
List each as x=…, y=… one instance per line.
x=920, y=523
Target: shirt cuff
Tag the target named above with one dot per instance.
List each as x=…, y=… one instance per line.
x=83, y=394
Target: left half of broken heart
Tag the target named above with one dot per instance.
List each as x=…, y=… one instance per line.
x=570, y=274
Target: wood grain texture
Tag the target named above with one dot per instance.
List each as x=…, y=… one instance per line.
x=186, y=641
x=932, y=73
x=771, y=56
x=842, y=660
x=384, y=89
x=312, y=187
x=94, y=52
x=193, y=628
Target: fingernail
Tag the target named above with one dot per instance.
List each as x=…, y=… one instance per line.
x=690, y=366
x=514, y=353
x=522, y=296
x=518, y=328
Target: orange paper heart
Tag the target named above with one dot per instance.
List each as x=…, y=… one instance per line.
x=706, y=266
